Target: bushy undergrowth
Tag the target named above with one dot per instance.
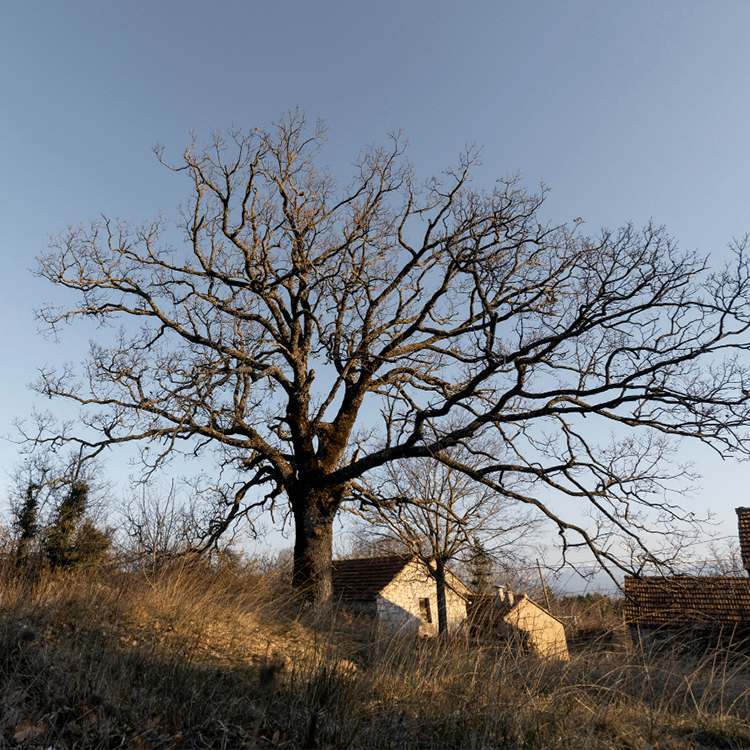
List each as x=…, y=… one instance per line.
x=200, y=656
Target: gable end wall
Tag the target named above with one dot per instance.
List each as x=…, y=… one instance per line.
x=398, y=603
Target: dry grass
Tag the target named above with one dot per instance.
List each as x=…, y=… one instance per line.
x=200, y=658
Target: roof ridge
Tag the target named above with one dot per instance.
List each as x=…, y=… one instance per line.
x=363, y=578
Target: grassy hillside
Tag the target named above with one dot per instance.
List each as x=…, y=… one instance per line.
x=200, y=657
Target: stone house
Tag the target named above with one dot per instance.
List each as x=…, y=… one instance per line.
x=697, y=610
x=521, y=622
x=397, y=592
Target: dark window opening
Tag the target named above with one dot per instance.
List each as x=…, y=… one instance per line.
x=424, y=610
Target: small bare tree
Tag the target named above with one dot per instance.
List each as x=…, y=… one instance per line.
x=304, y=335
x=439, y=515
x=158, y=526
x=164, y=525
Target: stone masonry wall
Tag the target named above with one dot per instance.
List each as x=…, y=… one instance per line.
x=398, y=603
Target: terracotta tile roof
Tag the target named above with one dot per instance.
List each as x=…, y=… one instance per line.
x=681, y=601
x=743, y=521
x=363, y=578
x=486, y=608
x=485, y=613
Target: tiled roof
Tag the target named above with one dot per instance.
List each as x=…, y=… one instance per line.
x=743, y=521
x=487, y=611
x=487, y=608
x=681, y=601
x=364, y=578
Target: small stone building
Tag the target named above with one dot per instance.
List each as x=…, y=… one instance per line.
x=397, y=592
x=519, y=620
x=694, y=610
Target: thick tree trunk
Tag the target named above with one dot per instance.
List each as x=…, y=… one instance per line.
x=313, y=547
x=441, y=601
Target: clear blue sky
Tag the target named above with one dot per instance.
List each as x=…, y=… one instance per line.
x=628, y=111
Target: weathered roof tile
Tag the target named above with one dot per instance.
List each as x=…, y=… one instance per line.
x=680, y=601
x=362, y=579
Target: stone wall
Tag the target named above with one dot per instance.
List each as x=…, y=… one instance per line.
x=543, y=633
x=399, y=602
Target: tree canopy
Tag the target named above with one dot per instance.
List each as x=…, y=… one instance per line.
x=304, y=333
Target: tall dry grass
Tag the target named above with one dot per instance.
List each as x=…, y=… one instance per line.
x=201, y=657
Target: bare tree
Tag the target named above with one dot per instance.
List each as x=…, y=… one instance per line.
x=164, y=525
x=440, y=515
x=307, y=334
x=724, y=558
x=158, y=526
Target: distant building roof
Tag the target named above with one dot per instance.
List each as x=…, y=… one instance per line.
x=363, y=578
x=491, y=608
x=687, y=601
x=743, y=521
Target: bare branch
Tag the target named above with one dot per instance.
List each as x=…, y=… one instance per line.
x=296, y=314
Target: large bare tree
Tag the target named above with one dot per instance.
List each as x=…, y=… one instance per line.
x=306, y=333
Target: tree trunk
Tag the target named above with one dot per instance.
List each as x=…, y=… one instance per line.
x=441, y=602
x=313, y=547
